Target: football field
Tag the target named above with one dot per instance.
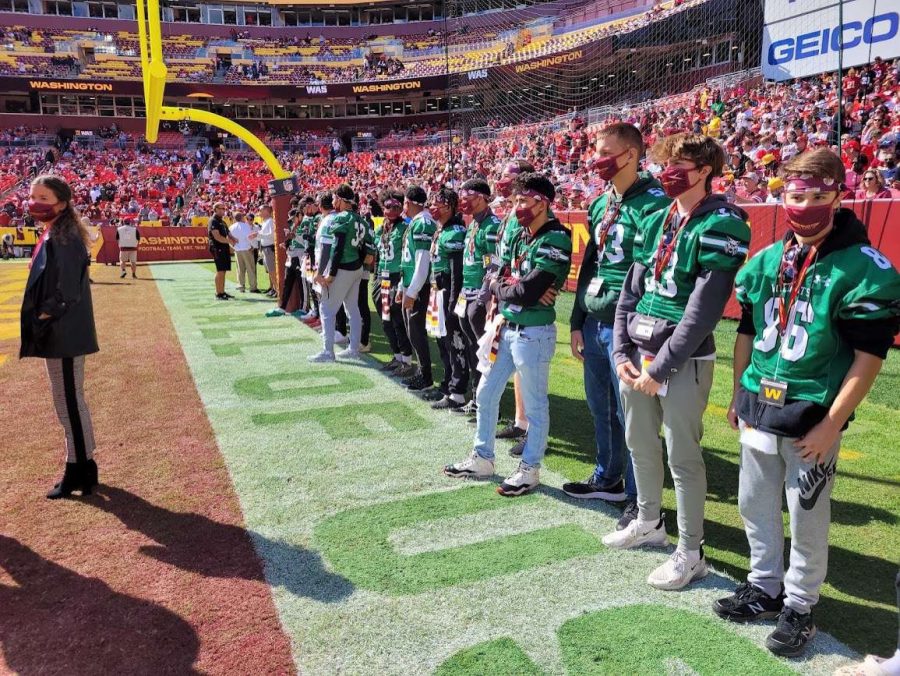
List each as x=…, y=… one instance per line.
x=260, y=514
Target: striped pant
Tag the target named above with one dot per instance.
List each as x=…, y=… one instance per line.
x=67, y=385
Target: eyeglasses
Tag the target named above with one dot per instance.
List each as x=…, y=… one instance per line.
x=868, y=178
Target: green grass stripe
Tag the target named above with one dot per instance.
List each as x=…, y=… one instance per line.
x=378, y=563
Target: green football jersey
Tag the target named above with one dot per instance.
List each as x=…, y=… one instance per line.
x=304, y=234
x=480, y=246
x=510, y=230
x=450, y=240
x=353, y=228
x=716, y=240
x=390, y=245
x=854, y=283
x=418, y=237
x=550, y=250
x=625, y=235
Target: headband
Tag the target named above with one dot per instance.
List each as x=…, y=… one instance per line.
x=534, y=194
x=809, y=183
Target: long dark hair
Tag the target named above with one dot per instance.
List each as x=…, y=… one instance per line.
x=68, y=223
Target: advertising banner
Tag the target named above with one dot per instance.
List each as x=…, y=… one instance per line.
x=159, y=244
x=803, y=37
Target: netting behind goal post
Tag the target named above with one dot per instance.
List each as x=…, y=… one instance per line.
x=534, y=63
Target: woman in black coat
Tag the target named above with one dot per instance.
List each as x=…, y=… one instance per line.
x=58, y=323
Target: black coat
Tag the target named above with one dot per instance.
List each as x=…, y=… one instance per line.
x=58, y=285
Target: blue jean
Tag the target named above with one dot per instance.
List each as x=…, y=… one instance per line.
x=601, y=389
x=526, y=351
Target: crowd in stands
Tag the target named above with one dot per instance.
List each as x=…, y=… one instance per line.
x=760, y=125
x=32, y=52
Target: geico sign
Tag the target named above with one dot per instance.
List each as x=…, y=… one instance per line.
x=878, y=28
x=478, y=74
x=387, y=87
x=72, y=86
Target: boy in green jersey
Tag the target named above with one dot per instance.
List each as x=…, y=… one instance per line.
x=390, y=249
x=615, y=220
x=540, y=260
x=819, y=313
x=414, y=290
x=479, y=251
x=671, y=301
x=342, y=241
x=447, y=279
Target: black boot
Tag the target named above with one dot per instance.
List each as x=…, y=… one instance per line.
x=76, y=478
x=91, y=474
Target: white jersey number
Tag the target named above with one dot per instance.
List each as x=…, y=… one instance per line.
x=796, y=340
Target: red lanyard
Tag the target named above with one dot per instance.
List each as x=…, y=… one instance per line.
x=663, y=256
x=784, y=313
x=38, y=246
x=607, y=222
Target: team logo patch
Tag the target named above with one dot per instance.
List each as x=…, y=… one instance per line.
x=554, y=254
x=732, y=246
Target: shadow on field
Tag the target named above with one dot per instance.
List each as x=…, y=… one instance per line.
x=198, y=544
x=57, y=621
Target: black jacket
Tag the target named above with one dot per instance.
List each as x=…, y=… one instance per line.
x=58, y=285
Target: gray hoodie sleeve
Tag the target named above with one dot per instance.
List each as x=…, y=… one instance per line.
x=703, y=311
x=631, y=293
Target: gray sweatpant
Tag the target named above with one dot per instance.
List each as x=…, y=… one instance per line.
x=680, y=413
x=343, y=290
x=67, y=386
x=764, y=480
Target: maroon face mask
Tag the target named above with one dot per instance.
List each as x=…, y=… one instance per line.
x=41, y=212
x=809, y=221
x=525, y=216
x=504, y=186
x=606, y=167
x=675, y=181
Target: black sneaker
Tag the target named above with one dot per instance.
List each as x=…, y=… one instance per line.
x=392, y=365
x=122, y=276
x=418, y=384
x=614, y=492
x=229, y=295
x=471, y=408
x=749, y=603
x=629, y=514
x=255, y=291
x=222, y=296
x=517, y=450
x=511, y=432
x=431, y=394
x=447, y=404
x=405, y=371
x=791, y=634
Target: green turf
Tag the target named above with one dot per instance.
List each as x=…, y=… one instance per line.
x=498, y=658
x=347, y=506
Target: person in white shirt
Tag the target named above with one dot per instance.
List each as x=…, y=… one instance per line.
x=267, y=247
x=243, y=252
x=128, y=237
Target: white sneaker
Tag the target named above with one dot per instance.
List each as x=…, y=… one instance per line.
x=347, y=353
x=321, y=357
x=681, y=569
x=525, y=478
x=638, y=533
x=340, y=338
x=473, y=467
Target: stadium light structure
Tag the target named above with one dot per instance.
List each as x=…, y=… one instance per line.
x=153, y=75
